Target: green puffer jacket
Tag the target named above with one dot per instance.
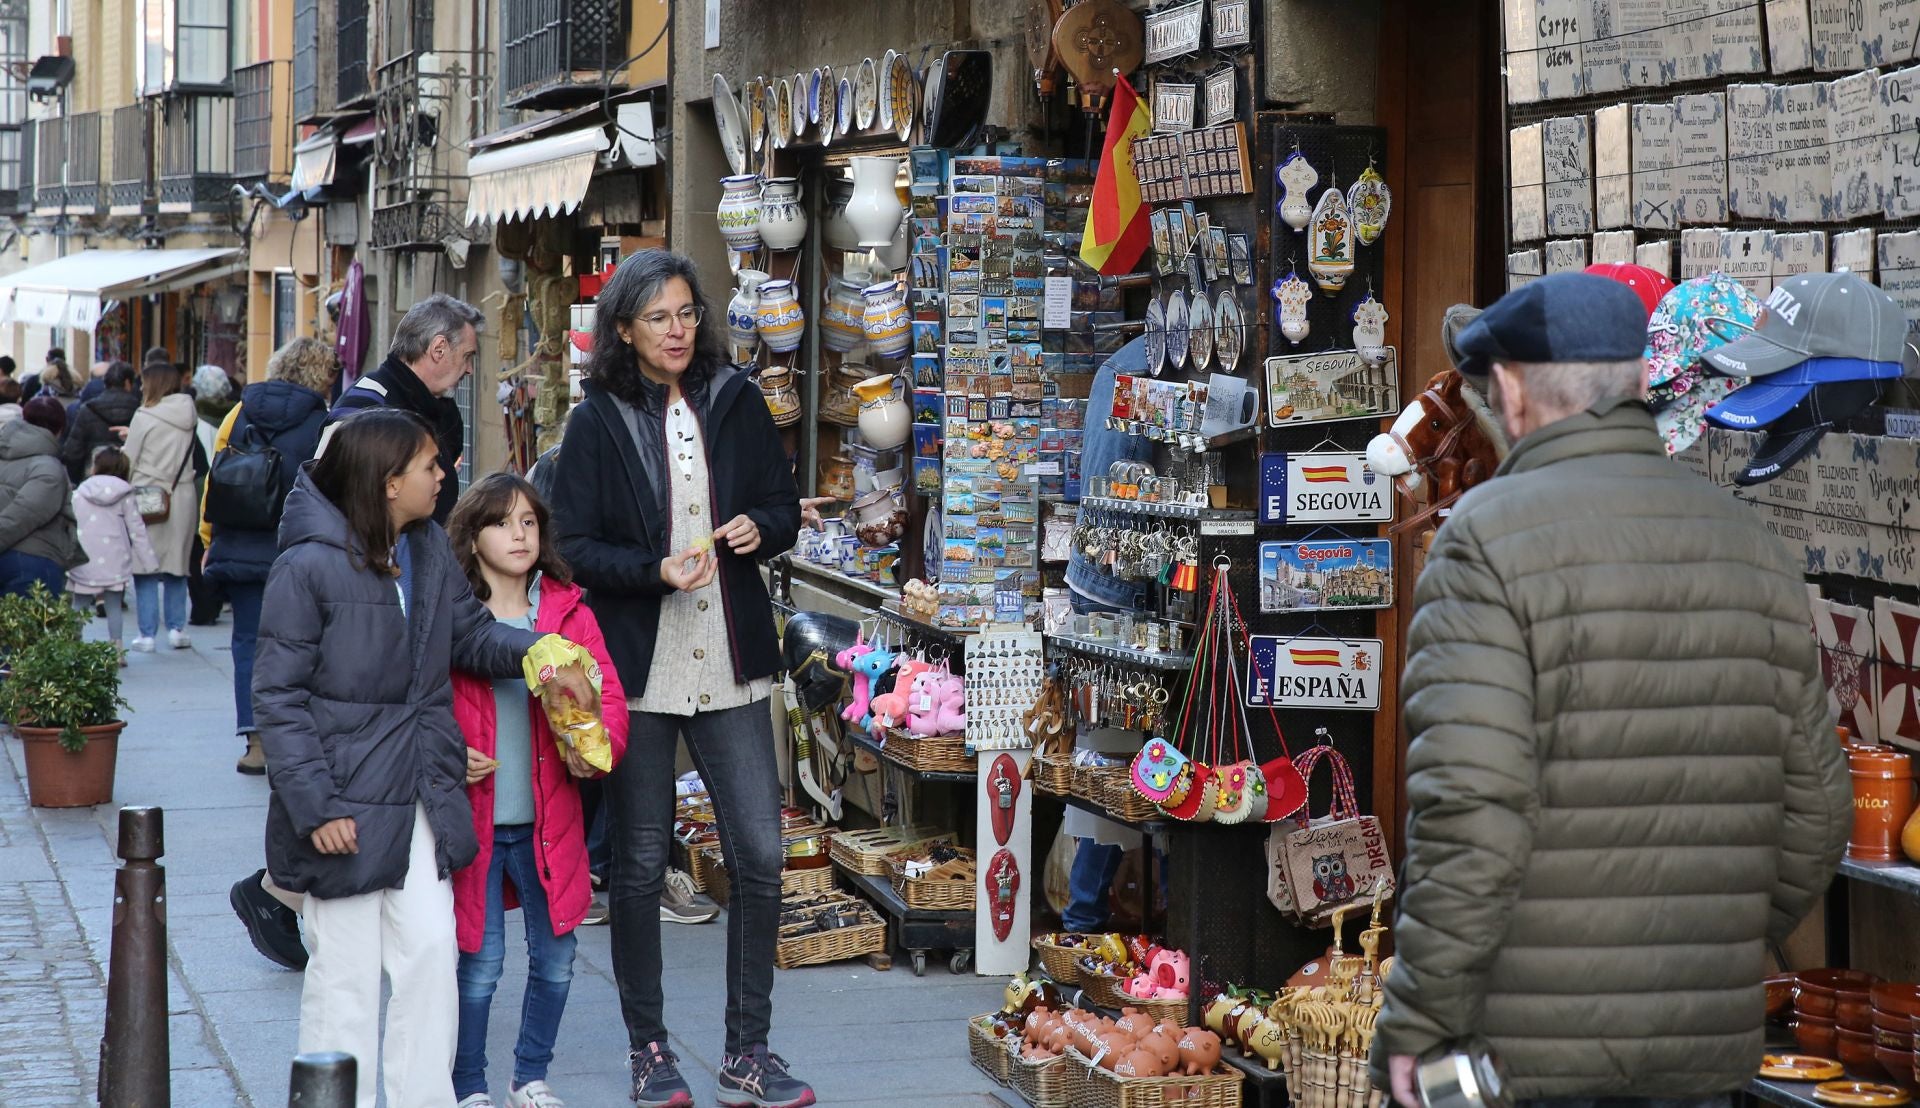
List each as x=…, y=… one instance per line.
x=1623, y=779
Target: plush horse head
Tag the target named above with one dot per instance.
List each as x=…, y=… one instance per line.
x=1444, y=442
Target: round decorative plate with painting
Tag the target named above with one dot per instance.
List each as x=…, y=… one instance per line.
x=1200, y=331
x=1156, y=335
x=1227, y=330
x=829, y=108
x=884, y=87
x=866, y=94
x=900, y=95
x=1177, y=323
x=843, y=107
x=783, y=113
x=726, y=116
x=757, y=112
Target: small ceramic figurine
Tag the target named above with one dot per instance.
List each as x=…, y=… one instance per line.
x=1330, y=240
x=1290, y=296
x=1369, y=200
x=1295, y=176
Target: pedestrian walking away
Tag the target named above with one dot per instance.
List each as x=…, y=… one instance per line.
x=1623, y=783
x=39, y=540
x=115, y=539
x=165, y=455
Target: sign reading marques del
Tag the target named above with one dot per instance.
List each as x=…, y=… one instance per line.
x=1313, y=673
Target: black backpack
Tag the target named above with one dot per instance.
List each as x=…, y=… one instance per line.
x=246, y=487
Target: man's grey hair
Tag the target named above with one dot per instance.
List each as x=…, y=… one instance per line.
x=1564, y=388
x=437, y=316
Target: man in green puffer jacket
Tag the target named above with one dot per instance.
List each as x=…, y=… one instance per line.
x=1624, y=780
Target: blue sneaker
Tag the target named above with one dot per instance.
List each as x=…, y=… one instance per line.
x=759, y=1079
x=656, y=1079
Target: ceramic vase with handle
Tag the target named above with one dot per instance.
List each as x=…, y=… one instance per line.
x=782, y=223
x=779, y=317
x=743, y=323
x=874, y=209
x=885, y=421
x=842, y=321
x=889, y=330
x=894, y=255
x=739, y=213
x=839, y=234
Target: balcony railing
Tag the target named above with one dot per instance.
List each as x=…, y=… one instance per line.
x=50, y=164
x=309, y=59
x=558, y=52
x=353, y=71
x=196, y=154
x=130, y=179
x=83, y=162
x=259, y=95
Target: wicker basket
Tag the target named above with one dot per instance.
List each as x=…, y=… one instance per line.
x=933, y=894
x=1053, y=775
x=932, y=754
x=806, y=882
x=869, y=852
x=1158, y=1010
x=705, y=867
x=1062, y=963
x=989, y=1054
x=1103, y=990
x=1096, y=1088
x=1043, y=1084
x=817, y=947
x=1080, y=780
x=1116, y=794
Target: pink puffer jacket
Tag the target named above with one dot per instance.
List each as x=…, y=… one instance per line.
x=560, y=833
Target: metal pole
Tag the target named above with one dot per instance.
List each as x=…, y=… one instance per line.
x=323, y=1079
x=134, y=1055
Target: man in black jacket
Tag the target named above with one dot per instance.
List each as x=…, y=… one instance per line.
x=436, y=345
x=101, y=420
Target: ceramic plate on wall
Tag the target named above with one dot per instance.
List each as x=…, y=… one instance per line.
x=900, y=86
x=1200, y=332
x=783, y=112
x=819, y=91
x=829, y=108
x=843, y=106
x=866, y=94
x=1228, y=330
x=1156, y=334
x=1177, y=324
x=756, y=96
x=726, y=116
x=802, y=105
x=884, y=86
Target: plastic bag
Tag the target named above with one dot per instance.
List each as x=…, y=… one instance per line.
x=575, y=725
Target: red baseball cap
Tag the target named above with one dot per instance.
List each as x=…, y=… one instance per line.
x=1648, y=284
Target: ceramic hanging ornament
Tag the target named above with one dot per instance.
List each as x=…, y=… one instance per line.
x=1227, y=331
x=1331, y=236
x=1177, y=329
x=1368, y=202
x=1295, y=177
x=1370, y=330
x=1200, y=332
x=1156, y=335
x=1290, y=296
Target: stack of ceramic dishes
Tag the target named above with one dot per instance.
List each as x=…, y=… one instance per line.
x=1895, y=1006
x=1833, y=1016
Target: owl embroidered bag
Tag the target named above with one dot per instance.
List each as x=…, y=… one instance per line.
x=1317, y=863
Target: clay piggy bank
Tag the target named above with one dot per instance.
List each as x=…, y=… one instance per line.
x=1164, y=1047
x=1140, y=1063
x=1246, y=1026
x=1217, y=1011
x=1113, y=1047
x=1059, y=1034
x=1270, y=1043
x=1199, y=1051
x=1133, y=1023
x=1141, y=986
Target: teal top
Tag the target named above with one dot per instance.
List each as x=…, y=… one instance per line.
x=513, y=736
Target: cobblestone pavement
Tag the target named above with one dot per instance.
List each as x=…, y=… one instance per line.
x=51, y=991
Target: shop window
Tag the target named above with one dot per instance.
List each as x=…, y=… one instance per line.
x=185, y=44
x=284, y=293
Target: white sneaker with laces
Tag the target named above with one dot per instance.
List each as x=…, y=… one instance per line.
x=680, y=902
x=475, y=1100
x=534, y=1094
x=178, y=640
x=143, y=644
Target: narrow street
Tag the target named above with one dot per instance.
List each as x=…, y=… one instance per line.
x=859, y=1036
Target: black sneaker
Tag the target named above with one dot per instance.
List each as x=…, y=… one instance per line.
x=759, y=1079
x=656, y=1079
x=273, y=927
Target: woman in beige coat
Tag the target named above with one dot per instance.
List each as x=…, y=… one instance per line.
x=160, y=446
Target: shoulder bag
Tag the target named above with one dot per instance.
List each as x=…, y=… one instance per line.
x=156, y=503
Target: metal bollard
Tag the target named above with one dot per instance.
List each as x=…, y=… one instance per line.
x=323, y=1079
x=134, y=1055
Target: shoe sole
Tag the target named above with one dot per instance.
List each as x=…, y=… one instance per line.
x=748, y=1100
x=677, y=1100
x=251, y=771
x=241, y=909
x=669, y=916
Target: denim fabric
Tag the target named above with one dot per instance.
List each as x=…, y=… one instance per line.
x=19, y=571
x=1101, y=448
x=1722, y=1101
x=245, y=598
x=1094, y=866
x=549, y=971
x=146, y=595
x=733, y=750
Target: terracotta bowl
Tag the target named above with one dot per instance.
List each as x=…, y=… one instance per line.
x=1831, y=981
x=1855, y=1052
x=1780, y=995
x=1898, y=997
x=1893, y=1038
x=1815, y=1036
x=1817, y=1005
x=1854, y=1013
x=1893, y=1023
x=1897, y=1063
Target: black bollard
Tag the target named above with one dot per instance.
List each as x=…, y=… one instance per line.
x=134, y=1056
x=323, y=1079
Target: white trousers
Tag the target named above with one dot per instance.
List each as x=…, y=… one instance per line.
x=408, y=933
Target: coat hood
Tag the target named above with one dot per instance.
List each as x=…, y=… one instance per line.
x=20, y=439
x=276, y=406
x=104, y=490
x=176, y=411
x=310, y=517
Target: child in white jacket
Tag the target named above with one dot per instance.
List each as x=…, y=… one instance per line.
x=114, y=537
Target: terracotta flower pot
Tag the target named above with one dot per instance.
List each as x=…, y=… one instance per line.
x=57, y=778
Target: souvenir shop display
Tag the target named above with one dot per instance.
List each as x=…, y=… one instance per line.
x=1004, y=671
x=781, y=221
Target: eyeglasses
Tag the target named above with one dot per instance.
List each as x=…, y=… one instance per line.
x=661, y=323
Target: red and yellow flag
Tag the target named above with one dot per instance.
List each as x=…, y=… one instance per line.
x=1317, y=474
x=1314, y=657
x=1117, y=232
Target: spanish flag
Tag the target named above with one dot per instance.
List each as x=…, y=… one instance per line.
x=1314, y=657
x=1117, y=232
x=1320, y=474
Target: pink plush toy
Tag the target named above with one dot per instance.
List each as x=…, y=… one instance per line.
x=952, y=701
x=890, y=708
x=1142, y=987
x=1170, y=969
x=923, y=703
x=862, y=691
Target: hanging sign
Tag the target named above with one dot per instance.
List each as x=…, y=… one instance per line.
x=1313, y=673
x=1175, y=32
x=1331, y=385
x=1335, y=487
x=1331, y=573
x=1273, y=488
x=1173, y=106
x=1221, y=85
x=1232, y=23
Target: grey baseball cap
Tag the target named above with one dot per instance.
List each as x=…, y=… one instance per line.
x=1816, y=315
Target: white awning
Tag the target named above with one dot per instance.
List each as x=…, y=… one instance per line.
x=542, y=177
x=73, y=291
x=313, y=161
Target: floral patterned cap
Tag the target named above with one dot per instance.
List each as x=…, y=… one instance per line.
x=1681, y=385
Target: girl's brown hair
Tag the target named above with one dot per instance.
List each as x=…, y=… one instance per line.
x=108, y=461
x=159, y=380
x=487, y=503
x=367, y=450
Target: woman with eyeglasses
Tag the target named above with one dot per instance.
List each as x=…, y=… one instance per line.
x=671, y=487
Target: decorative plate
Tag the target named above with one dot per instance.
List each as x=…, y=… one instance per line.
x=900, y=94
x=1200, y=331
x=1799, y=1067
x=757, y=112
x=802, y=105
x=726, y=116
x=843, y=107
x=813, y=96
x=1177, y=324
x=1229, y=330
x=829, y=108
x=1860, y=1094
x=866, y=94
x=885, y=74
x=783, y=113
x=1156, y=334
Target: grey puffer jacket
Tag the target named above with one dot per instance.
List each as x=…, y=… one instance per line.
x=36, y=501
x=1623, y=779
x=354, y=700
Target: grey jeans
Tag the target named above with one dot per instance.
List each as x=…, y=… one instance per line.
x=733, y=750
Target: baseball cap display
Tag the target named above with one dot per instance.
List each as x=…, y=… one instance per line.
x=1685, y=325
x=1794, y=434
x=1566, y=317
x=1761, y=402
x=1647, y=284
x=1817, y=315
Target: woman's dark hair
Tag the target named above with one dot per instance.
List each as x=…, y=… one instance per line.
x=9, y=391
x=58, y=380
x=634, y=285
x=6, y=366
x=367, y=450
x=157, y=355
x=158, y=380
x=119, y=376
x=109, y=461
x=46, y=413
x=487, y=503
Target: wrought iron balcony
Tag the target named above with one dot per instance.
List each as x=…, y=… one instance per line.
x=312, y=66
x=260, y=129
x=420, y=201
x=66, y=163
x=83, y=162
x=196, y=153
x=49, y=164
x=415, y=224
x=130, y=179
x=558, y=52
x=16, y=169
x=353, y=68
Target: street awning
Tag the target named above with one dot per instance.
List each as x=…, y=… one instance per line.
x=73, y=291
x=313, y=160
x=541, y=177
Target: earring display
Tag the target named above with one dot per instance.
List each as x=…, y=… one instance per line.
x=1004, y=670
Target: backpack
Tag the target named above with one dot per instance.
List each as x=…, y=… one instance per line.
x=246, y=487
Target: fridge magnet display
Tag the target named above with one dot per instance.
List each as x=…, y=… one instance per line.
x=1240, y=258
x=1228, y=330
x=1330, y=259
x=1220, y=87
x=1334, y=487
x=1232, y=22
x=1368, y=202
x=1328, y=386
x=1290, y=296
x=1174, y=32
x=1295, y=176
x=1313, y=673
x=1331, y=573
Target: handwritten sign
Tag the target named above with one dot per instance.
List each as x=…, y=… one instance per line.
x=1802, y=188
x=1523, y=266
x=1612, y=167
x=1566, y=255
x=1700, y=138
x=1656, y=193
x=1605, y=50
x=1561, y=34
x=1699, y=251
x=1900, y=270
x=1900, y=151
x=1313, y=672
x=1747, y=257
x=1837, y=29
x=1719, y=44
x=1567, y=156
x=1895, y=23
x=1852, y=252
x=1853, y=128
x=1798, y=252
x=1789, y=43
x=1647, y=53
x=1750, y=149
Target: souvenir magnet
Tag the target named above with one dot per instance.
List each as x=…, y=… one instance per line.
x=1369, y=201
x=1156, y=334
x=1200, y=331
x=1295, y=177
x=1370, y=330
x=1003, y=793
x=1002, y=877
x=1330, y=257
x=1290, y=296
x=1227, y=330
x=1177, y=324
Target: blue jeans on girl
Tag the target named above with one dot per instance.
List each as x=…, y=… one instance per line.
x=549, y=971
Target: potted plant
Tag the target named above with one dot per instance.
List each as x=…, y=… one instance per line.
x=63, y=700
x=27, y=618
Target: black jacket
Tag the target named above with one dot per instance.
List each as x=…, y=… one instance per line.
x=91, y=427
x=393, y=385
x=610, y=512
x=289, y=416
x=354, y=700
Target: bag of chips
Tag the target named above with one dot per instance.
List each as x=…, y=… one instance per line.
x=576, y=726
